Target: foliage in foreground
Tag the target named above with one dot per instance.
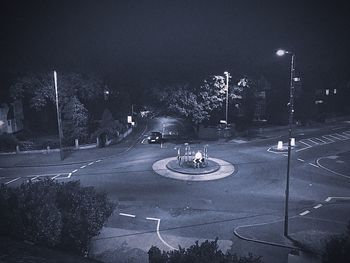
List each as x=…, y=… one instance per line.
x=206, y=252
x=61, y=215
x=337, y=248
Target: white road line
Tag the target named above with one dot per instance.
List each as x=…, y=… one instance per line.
x=98, y=161
x=347, y=133
x=337, y=197
x=334, y=137
x=14, y=180
x=318, y=206
x=158, y=233
x=91, y=163
x=82, y=167
x=74, y=171
x=310, y=140
x=304, y=213
x=342, y=136
x=325, y=137
x=128, y=215
x=314, y=165
x=301, y=160
x=318, y=139
x=329, y=170
x=69, y=175
x=302, y=141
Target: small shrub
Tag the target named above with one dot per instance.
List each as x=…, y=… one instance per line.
x=207, y=252
x=8, y=142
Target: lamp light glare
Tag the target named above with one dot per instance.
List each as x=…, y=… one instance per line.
x=280, y=52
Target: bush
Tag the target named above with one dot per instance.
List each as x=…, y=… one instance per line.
x=48, y=213
x=337, y=248
x=207, y=252
x=8, y=142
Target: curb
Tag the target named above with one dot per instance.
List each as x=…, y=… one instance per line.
x=263, y=241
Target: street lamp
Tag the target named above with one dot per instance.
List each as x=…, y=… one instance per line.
x=59, y=121
x=227, y=77
x=282, y=52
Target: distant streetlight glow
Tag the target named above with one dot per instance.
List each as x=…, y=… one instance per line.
x=280, y=52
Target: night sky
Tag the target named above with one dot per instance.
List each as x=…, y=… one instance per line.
x=137, y=41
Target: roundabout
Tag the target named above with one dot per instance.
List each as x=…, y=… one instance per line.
x=216, y=169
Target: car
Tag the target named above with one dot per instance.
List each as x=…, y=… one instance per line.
x=155, y=137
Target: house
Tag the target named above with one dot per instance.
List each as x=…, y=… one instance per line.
x=11, y=117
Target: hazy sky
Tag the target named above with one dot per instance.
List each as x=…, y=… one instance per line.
x=176, y=39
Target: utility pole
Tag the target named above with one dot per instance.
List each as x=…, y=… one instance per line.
x=59, y=122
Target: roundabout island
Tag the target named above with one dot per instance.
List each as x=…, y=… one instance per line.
x=215, y=169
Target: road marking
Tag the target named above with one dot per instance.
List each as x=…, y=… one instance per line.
x=98, y=161
x=342, y=136
x=14, y=180
x=313, y=141
x=318, y=206
x=82, y=167
x=328, y=199
x=325, y=137
x=329, y=170
x=128, y=215
x=304, y=213
x=285, y=154
x=301, y=160
x=337, y=197
x=314, y=165
x=91, y=163
x=334, y=137
x=318, y=139
x=307, y=146
x=74, y=171
x=347, y=133
x=158, y=233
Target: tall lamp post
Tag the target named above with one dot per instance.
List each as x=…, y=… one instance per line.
x=60, y=133
x=282, y=52
x=226, y=115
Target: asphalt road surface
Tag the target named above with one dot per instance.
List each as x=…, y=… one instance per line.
x=153, y=210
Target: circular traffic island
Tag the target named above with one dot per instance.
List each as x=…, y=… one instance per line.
x=215, y=169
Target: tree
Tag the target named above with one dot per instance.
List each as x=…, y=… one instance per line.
x=337, y=248
x=74, y=90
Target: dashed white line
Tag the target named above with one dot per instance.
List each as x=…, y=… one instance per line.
x=304, y=213
x=14, y=180
x=82, y=167
x=301, y=160
x=98, y=161
x=314, y=165
x=158, y=233
x=74, y=171
x=328, y=199
x=128, y=215
x=91, y=163
x=318, y=206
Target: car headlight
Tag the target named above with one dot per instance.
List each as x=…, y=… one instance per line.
x=157, y=138
x=148, y=137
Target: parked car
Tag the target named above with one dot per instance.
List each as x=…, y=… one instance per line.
x=155, y=137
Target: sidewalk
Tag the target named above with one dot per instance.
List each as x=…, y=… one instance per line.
x=71, y=157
